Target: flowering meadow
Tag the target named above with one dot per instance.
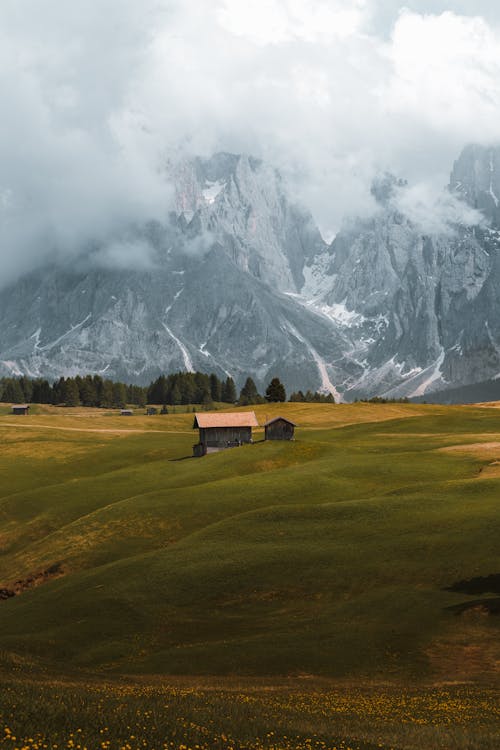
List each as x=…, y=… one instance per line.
x=59, y=715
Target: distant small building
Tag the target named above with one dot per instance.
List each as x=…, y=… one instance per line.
x=151, y=411
x=279, y=428
x=126, y=412
x=219, y=431
x=20, y=408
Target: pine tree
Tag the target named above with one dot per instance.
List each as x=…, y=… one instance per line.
x=175, y=395
x=88, y=394
x=229, y=391
x=119, y=397
x=27, y=388
x=13, y=393
x=249, y=393
x=275, y=391
x=215, y=388
x=70, y=393
x=106, y=393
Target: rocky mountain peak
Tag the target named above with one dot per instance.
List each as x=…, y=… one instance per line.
x=476, y=179
x=385, y=186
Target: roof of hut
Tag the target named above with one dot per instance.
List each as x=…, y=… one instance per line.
x=226, y=419
x=277, y=419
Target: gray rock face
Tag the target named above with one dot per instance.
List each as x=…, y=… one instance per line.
x=476, y=178
x=242, y=283
x=218, y=299
x=433, y=297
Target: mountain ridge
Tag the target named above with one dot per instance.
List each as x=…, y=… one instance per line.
x=239, y=281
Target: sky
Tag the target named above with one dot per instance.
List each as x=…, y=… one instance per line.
x=96, y=96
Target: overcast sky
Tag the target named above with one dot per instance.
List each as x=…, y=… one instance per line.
x=95, y=93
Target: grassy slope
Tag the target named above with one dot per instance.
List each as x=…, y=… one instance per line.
x=327, y=555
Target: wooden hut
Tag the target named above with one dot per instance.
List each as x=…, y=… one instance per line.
x=279, y=428
x=20, y=409
x=126, y=412
x=219, y=431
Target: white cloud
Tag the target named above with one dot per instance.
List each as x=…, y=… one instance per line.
x=94, y=96
x=446, y=73
x=278, y=21
x=435, y=211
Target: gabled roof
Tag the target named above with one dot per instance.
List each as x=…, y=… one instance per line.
x=226, y=419
x=277, y=419
x=20, y=406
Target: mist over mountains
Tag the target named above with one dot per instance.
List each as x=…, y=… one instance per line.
x=237, y=279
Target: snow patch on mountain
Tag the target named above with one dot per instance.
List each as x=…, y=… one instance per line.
x=326, y=384
x=188, y=363
x=212, y=190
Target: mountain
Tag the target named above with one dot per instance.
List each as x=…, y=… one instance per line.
x=432, y=298
x=238, y=280
x=213, y=299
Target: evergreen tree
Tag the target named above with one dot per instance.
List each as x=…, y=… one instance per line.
x=215, y=388
x=249, y=393
x=158, y=391
x=187, y=387
x=88, y=393
x=275, y=391
x=13, y=393
x=58, y=391
x=137, y=395
x=206, y=398
x=42, y=392
x=27, y=388
x=175, y=395
x=119, y=397
x=98, y=385
x=229, y=391
x=70, y=393
x=106, y=394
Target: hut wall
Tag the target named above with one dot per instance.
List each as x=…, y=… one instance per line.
x=280, y=430
x=219, y=436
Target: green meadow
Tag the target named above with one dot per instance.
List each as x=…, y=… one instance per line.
x=337, y=559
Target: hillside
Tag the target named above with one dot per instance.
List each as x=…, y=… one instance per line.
x=331, y=555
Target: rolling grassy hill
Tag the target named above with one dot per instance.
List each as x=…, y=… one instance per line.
x=331, y=555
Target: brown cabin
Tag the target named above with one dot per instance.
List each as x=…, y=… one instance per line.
x=20, y=408
x=279, y=428
x=221, y=431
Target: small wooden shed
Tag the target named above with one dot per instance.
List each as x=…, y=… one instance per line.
x=279, y=428
x=20, y=408
x=126, y=412
x=219, y=431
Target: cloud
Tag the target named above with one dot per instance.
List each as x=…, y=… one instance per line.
x=434, y=211
x=133, y=254
x=97, y=97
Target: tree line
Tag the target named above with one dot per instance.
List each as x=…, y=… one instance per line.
x=174, y=389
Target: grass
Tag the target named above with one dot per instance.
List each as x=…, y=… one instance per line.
x=243, y=716
x=329, y=556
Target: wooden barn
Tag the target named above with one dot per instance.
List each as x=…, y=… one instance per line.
x=279, y=428
x=222, y=430
x=20, y=409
